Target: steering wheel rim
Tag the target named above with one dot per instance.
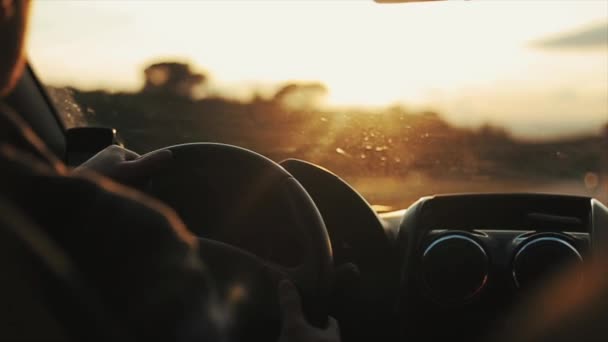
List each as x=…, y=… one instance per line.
x=227, y=168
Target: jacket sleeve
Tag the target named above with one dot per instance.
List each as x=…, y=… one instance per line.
x=133, y=251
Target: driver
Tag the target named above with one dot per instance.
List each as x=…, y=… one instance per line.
x=135, y=251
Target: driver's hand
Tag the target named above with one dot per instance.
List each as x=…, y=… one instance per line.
x=125, y=166
x=295, y=328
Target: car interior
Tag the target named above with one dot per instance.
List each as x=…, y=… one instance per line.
x=447, y=266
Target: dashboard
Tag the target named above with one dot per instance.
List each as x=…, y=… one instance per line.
x=449, y=266
x=468, y=260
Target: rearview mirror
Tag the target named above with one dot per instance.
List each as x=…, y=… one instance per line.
x=401, y=1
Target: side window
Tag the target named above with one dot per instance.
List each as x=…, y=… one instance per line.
x=70, y=112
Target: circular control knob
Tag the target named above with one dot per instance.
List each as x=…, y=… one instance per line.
x=540, y=258
x=454, y=268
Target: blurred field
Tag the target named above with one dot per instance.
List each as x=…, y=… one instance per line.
x=392, y=155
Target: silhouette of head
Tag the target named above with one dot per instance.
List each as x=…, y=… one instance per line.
x=13, y=22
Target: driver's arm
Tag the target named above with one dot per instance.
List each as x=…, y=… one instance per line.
x=132, y=251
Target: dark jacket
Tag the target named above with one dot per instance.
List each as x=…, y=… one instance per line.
x=134, y=252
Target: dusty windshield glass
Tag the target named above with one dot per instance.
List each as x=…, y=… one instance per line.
x=400, y=100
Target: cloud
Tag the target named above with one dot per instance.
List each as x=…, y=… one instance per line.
x=593, y=36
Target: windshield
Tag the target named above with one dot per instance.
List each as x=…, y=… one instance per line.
x=401, y=101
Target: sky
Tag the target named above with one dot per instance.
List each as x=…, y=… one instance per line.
x=520, y=64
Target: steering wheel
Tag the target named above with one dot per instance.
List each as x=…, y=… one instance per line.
x=256, y=225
